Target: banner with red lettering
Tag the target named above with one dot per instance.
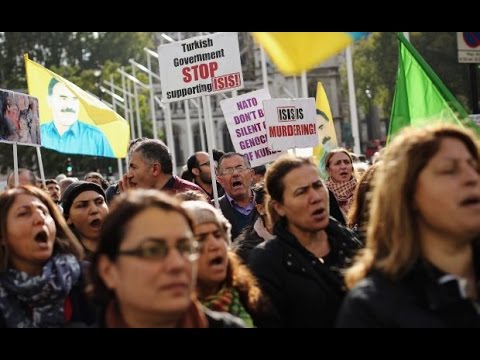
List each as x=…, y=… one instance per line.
x=291, y=123
x=245, y=120
x=202, y=65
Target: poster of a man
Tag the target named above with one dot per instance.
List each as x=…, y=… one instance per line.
x=66, y=133
x=19, y=118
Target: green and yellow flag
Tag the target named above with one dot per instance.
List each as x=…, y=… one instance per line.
x=420, y=96
x=99, y=130
x=326, y=131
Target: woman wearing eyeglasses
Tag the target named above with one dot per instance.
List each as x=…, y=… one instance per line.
x=144, y=268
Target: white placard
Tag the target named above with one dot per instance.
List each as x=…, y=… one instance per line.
x=245, y=120
x=291, y=123
x=202, y=65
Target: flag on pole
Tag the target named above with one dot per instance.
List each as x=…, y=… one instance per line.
x=73, y=121
x=420, y=96
x=326, y=132
x=294, y=52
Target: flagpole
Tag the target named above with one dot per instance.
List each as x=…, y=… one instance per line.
x=170, y=144
x=353, y=102
x=189, y=126
x=15, y=163
x=40, y=166
x=209, y=129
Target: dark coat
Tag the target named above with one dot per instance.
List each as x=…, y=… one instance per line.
x=215, y=320
x=304, y=291
x=245, y=242
x=335, y=211
x=82, y=307
x=416, y=300
x=231, y=214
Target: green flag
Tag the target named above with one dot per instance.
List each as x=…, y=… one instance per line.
x=420, y=96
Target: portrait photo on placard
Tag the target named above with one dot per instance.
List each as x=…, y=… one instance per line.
x=19, y=118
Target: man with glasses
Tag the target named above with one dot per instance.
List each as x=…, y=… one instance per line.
x=238, y=203
x=198, y=165
x=151, y=167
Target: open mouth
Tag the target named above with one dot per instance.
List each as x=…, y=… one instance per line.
x=237, y=184
x=96, y=223
x=218, y=260
x=473, y=200
x=42, y=237
x=318, y=212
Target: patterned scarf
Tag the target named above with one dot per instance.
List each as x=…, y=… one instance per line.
x=228, y=300
x=193, y=318
x=38, y=301
x=343, y=193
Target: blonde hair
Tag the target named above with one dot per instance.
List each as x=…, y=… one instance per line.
x=392, y=245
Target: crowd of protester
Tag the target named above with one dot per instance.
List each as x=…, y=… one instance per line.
x=393, y=244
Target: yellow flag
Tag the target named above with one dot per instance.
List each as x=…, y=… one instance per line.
x=71, y=120
x=326, y=133
x=294, y=52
